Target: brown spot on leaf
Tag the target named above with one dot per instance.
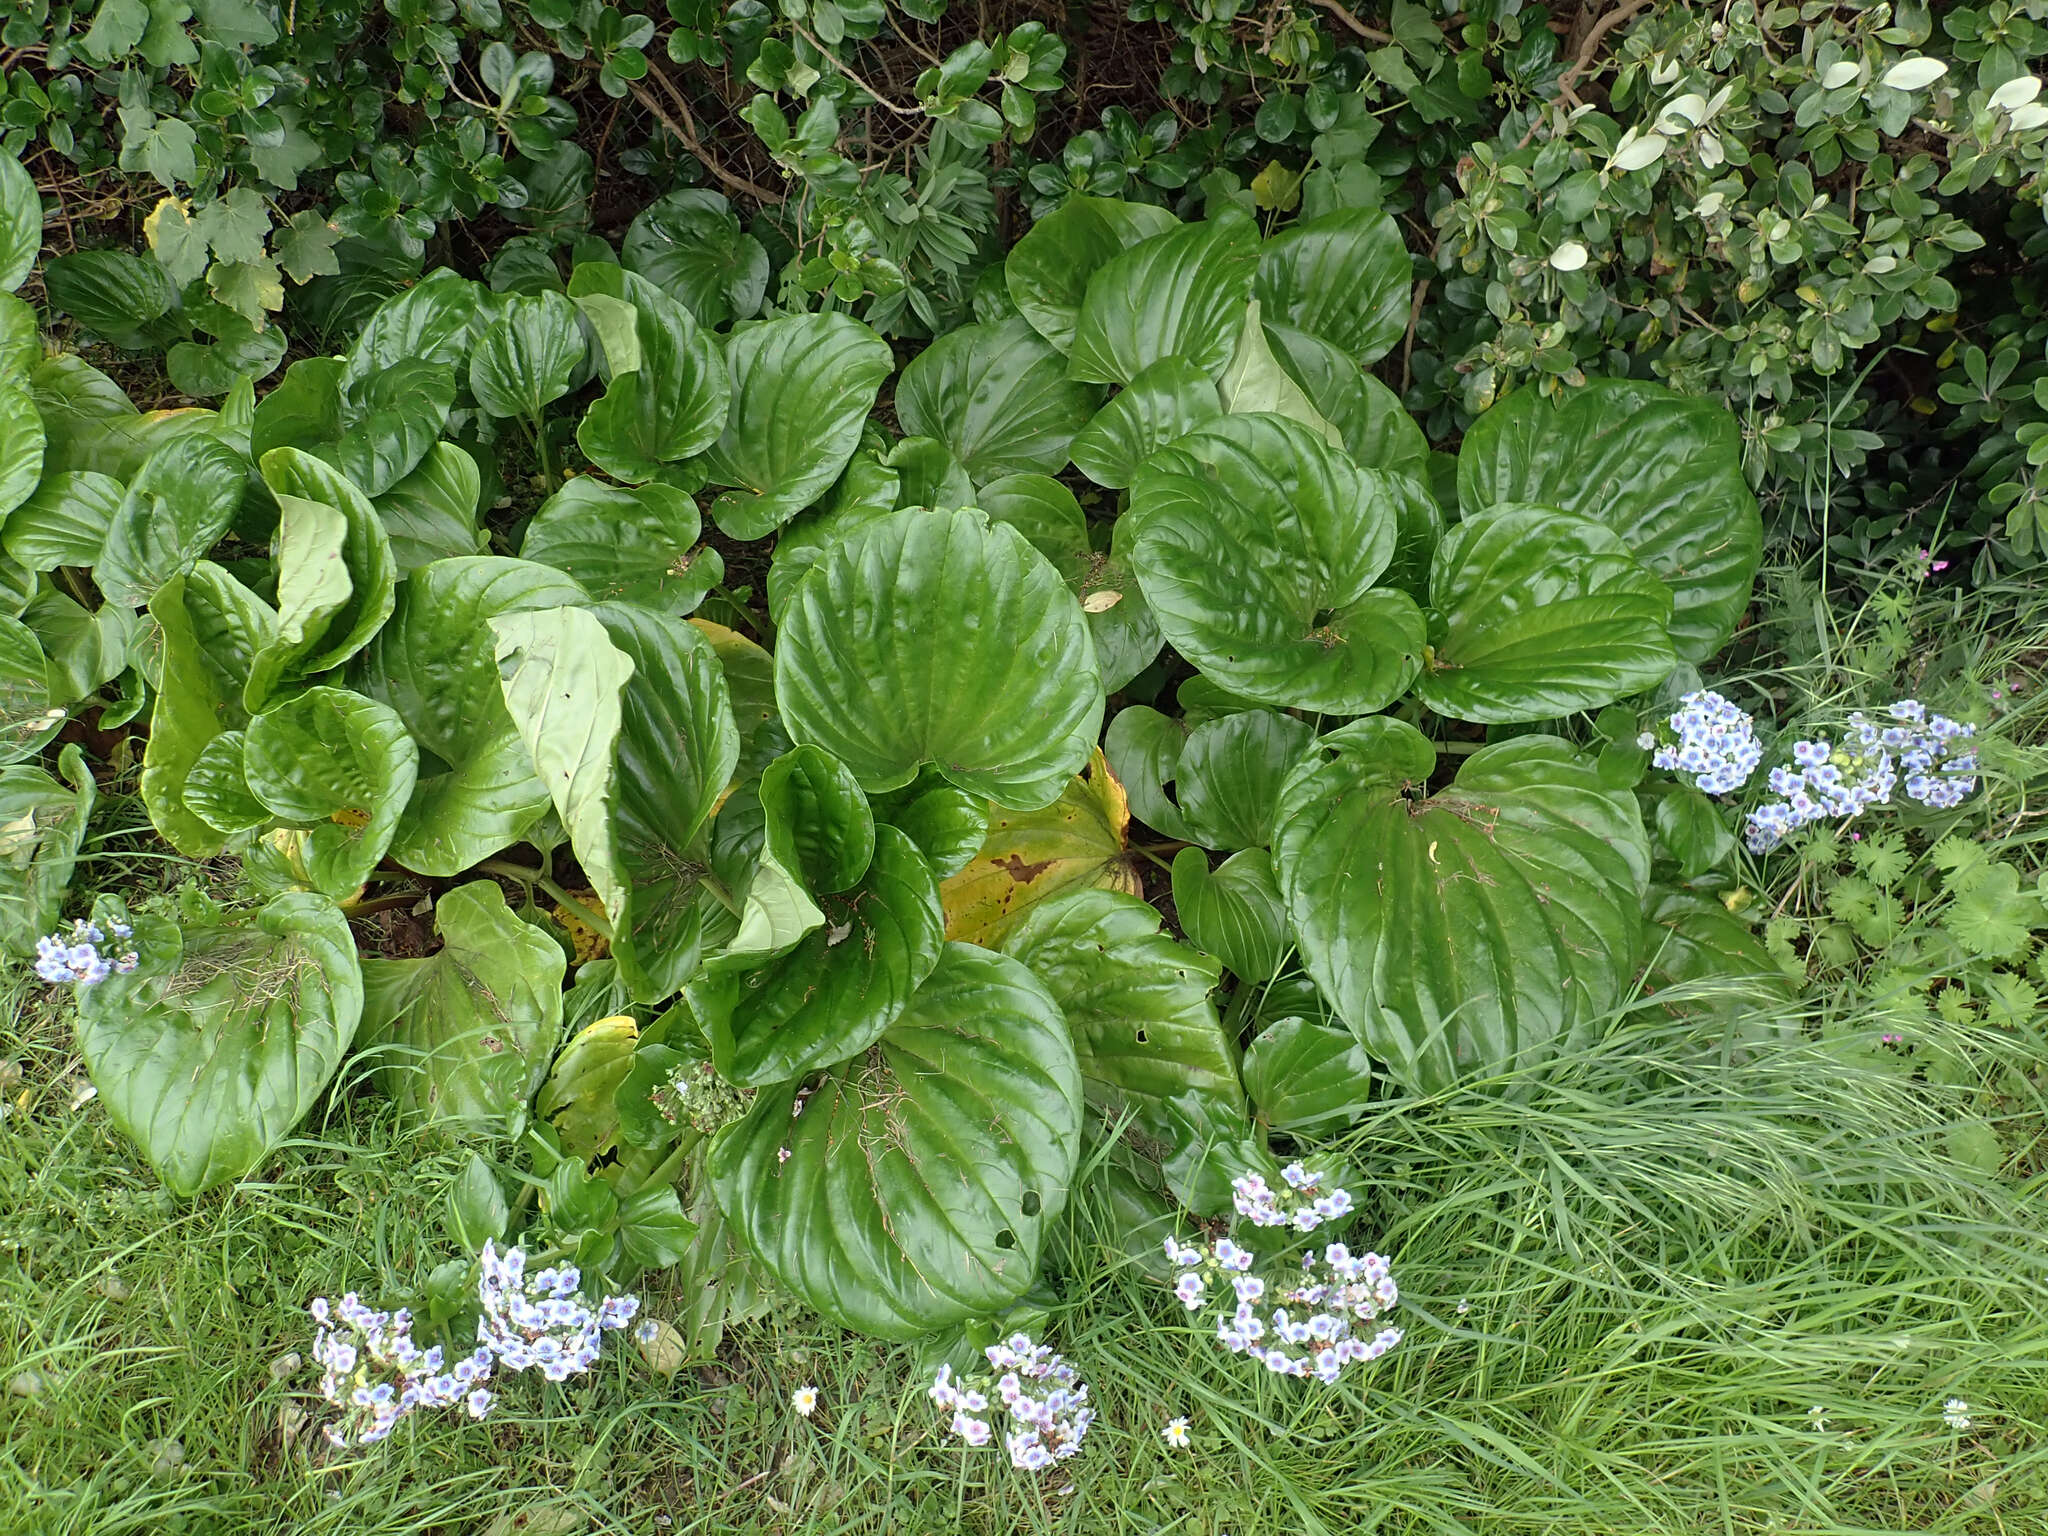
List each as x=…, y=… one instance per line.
x=1019, y=871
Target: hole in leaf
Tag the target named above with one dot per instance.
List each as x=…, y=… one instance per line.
x=1142, y=1037
x=1006, y=1238
x=1030, y=1204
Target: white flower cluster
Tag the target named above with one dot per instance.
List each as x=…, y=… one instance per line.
x=1846, y=778
x=539, y=1321
x=1047, y=1403
x=1714, y=744
x=1302, y=1206
x=74, y=959
x=373, y=1371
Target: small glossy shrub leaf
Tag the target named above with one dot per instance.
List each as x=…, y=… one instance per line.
x=1489, y=924
x=1344, y=277
x=1180, y=294
x=1047, y=271
x=1031, y=856
x=1233, y=912
x=339, y=766
x=934, y=637
x=801, y=389
x=1375, y=430
x=1307, y=1078
x=525, y=358
x=1542, y=613
x=435, y=664
x=42, y=824
x=1137, y=1004
x=671, y=406
x=215, y=1047
x=64, y=521
x=998, y=396
x=462, y=1038
x=1230, y=772
x=1167, y=400
x=845, y=982
x=923, y=1174
x=22, y=442
x=637, y=543
x=1257, y=546
x=1661, y=469
x=690, y=245
x=832, y=830
x=175, y=510
x=211, y=629
x=431, y=514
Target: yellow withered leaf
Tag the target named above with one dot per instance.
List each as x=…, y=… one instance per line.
x=1077, y=841
x=577, y=1097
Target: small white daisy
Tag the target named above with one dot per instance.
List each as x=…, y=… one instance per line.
x=804, y=1400
x=1955, y=1413
x=1176, y=1434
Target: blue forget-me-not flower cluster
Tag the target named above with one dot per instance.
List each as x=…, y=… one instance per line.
x=74, y=959
x=1713, y=743
x=1047, y=1403
x=1844, y=778
x=539, y=1321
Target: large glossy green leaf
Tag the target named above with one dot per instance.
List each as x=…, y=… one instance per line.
x=1488, y=924
x=217, y=787
x=1230, y=772
x=1376, y=431
x=212, y=628
x=1710, y=960
x=935, y=637
x=948, y=824
x=336, y=579
x=525, y=358
x=213, y=1049
x=435, y=664
x=1169, y=399
x=867, y=492
x=634, y=543
x=29, y=717
x=1180, y=294
x=750, y=680
x=690, y=245
x=998, y=396
x=1254, y=380
x=1144, y=747
x=64, y=521
x=42, y=823
x=86, y=647
x=1661, y=469
x=431, y=514
x=921, y=1176
x=1233, y=912
x=21, y=223
x=462, y=1038
x=1137, y=1003
x=433, y=321
x=339, y=767
x=844, y=983
x=1308, y=1078
x=831, y=827
x=1540, y=613
x=1257, y=545
x=802, y=387
x=1344, y=277
x=1047, y=271
x=672, y=405
x=1119, y=621
x=175, y=510
x=21, y=444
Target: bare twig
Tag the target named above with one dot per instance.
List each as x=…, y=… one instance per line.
x=1591, y=45
x=1370, y=34
x=686, y=134
x=1414, y=319
x=847, y=70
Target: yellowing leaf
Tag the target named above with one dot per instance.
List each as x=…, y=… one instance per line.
x=1076, y=842
x=179, y=242
x=588, y=942
x=577, y=1097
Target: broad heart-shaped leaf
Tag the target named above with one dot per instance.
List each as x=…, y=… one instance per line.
x=21, y=223
x=213, y=1049
x=802, y=387
x=844, y=983
x=1254, y=380
x=1137, y=1004
x=689, y=245
x=64, y=521
x=1047, y=271
x=212, y=628
x=922, y=1175
x=1233, y=912
x=336, y=581
x=750, y=682
x=21, y=444
x=217, y=787
x=1143, y=748
x=636, y=543
x=1540, y=613
x=1120, y=623
x=672, y=405
x=1169, y=399
x=1032, y=856
x=42, y=822
x=934, y=637
x=432, y=321
x=1489, y=924
x=948, y=824
x=431, y=514
x=1180, y=294
x=1308, y=1078
x=1661, y=469
x=1712, y=957
x=1257, y=545
x=462, y=1038
x=175, y=510
x=525, y=358
x=998, y=396
x=339, y=766
x=831, y=828
x=1230, y=772
x=434, y=663
x=1344, y=277
x=626, y=715
x=1376, y=431
x=28, y=718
